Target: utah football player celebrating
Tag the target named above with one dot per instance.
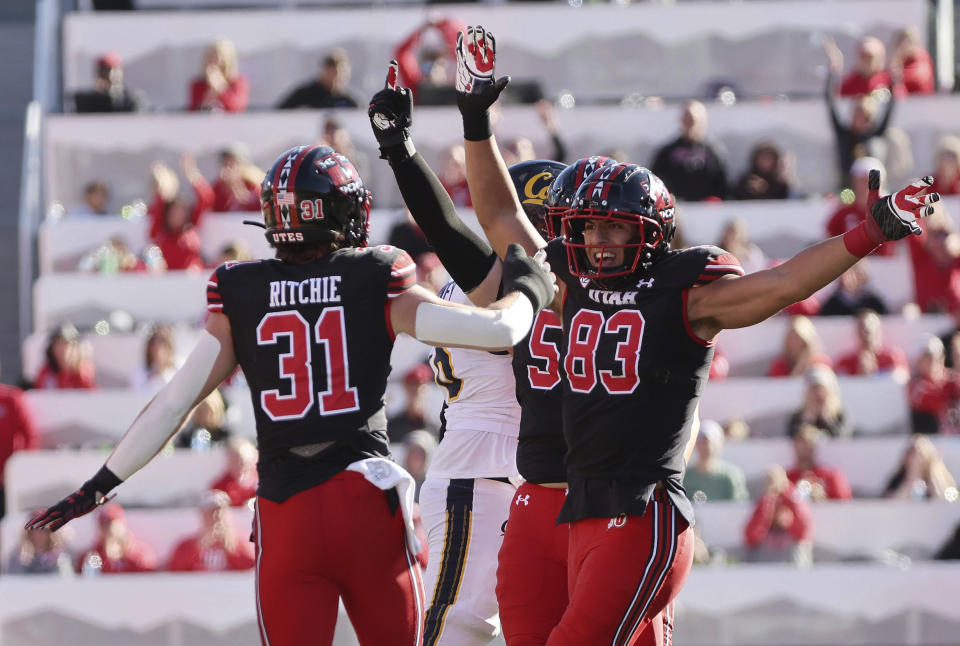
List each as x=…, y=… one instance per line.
x=313, y=330
x=473, y=477
x=640, y=321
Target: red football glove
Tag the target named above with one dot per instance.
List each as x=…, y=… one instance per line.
x=891, y=217
x=88, y=497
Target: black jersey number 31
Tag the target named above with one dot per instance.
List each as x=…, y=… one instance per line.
x=297, y=368
x=586, y=333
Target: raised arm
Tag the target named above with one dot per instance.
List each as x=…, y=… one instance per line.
x=494, y=200
x=528, y=285
x=210, y=362
x=466, y=256
x=733, y=302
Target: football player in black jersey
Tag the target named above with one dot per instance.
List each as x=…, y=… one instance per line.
x=640, y=321
x=313, y=330
x=460, y=582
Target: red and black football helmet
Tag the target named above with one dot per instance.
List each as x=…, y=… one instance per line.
x=628, y=193
x=314, y=194
x=532, y=181
x=565, y=186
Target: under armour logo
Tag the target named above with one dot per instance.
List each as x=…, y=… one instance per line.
x=523, y=499
x=646, y=282
x=619, y=521
x=381, y=121
x=584, y=282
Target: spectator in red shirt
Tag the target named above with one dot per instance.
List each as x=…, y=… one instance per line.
x=719, y=366
x=66, y=366
x=216, y=547
x=239, y=480
x=221, y=86
x=173, y=220
x=850, y=215
x=914, y=61
x=872, y=357
x=934, y=392
x=17, y=431
x=808, y=475
x=116, y=549
x=869, y=73
x=781, y=527
x=237, y=188
x=935, y=255
x=801, y=350
x=430, y=64
x=946, y=177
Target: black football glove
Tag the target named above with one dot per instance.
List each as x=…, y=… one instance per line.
x=88, y=497
x=895, y=216
x=391, y=115
x=477, y=88
x=529, y=276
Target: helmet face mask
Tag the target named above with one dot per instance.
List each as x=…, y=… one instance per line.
x=314, y=194
x=532, y=181
x=619, y=193
x=565, y=186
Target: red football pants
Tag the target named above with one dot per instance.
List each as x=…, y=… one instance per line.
x=338, y=539
x=532, y=566
x=624, y=572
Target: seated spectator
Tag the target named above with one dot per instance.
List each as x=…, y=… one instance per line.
x=338, y=137
x=869, y=72
x=430, y=272
x=239, y=480
x=951, y=340
x=173, y=220
x=420, y=447
x=109, y=94
x=781, y=526
x=96, y=196
x=710, y=478
x=328, y=89
x=237, y=187
x=735, y=238
x=453, y=174
x=407, y=235
x=719, y=366
x=41, y=551
x=768, y=177
x=913, y=62
x=690, y=165
x=935, y=256
x=801, y=350
x=116, y=549
x=853, y=294
x=922, y=474
x=159, y=363
x=934, y=392
x=850, y=215
x=946, y=175
x=66, y=365
x=216, y=548
x=873, y=357
x=809, y=475
x=416, y=384
x=427, y=60
x=822, y=407
x=860, y=136
x=206, y=426
x=114, y=256
x=221, y=87
x=234, y=251
x=17, y=430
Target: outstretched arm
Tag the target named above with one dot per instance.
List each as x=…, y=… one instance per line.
x=494, y=200
x=732, y=302
x=210, y=362
x=465, y=255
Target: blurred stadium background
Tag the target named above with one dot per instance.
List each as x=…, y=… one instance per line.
x=86, y=269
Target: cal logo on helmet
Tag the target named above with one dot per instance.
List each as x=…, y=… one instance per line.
x=531, y=181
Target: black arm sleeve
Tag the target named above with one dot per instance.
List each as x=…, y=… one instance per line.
x=466, y=256
x=830, y=96
x=559, y=148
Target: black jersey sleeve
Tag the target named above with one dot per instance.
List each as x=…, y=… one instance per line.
x=718, y=263
x=214, y=300
x=402, y=270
